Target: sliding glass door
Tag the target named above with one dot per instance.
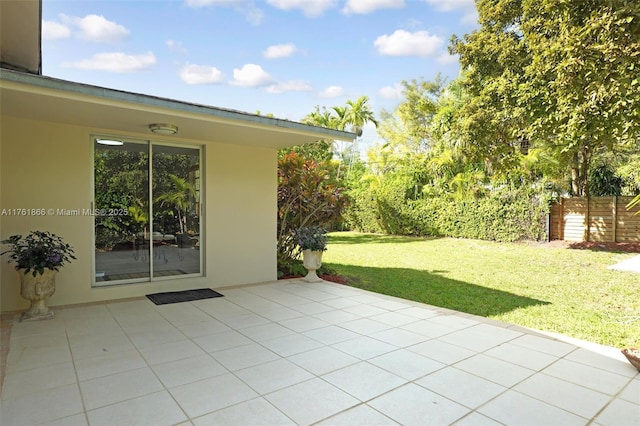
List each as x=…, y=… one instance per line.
x=147, y=211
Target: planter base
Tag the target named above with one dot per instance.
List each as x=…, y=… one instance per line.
x=26, y=316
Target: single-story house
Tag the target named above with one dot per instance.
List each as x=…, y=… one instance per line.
x=154, y=194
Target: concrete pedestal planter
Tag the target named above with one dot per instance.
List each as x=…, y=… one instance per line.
x=312, y=261
x=37, y=289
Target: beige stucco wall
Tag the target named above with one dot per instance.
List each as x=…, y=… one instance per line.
x=48, y=166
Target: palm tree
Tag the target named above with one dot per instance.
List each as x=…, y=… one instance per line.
x=358, y=114
x=181, y=198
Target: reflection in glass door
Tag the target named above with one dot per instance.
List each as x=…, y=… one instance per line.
x=145, y=228
x=176, y=210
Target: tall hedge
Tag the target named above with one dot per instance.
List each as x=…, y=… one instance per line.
x=506, y=214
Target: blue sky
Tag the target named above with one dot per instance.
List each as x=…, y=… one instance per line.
x=282, y=57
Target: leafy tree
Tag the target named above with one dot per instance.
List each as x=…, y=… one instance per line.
x=181, y=197
x=560, y=74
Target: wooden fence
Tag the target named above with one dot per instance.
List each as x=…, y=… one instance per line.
x=603, y=219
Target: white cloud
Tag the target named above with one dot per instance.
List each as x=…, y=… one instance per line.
x=54, y=30
x=176, y=46
x=116, y=62
x=404, y=43
x=368, y=6
x=279, y=51
x=290, y=86
x=245, y=7
x=470, y=18
x=310, y=8
x=250, y=75
x=447, y=5
x=332, y=92
x=97, y=28
x=200, y=74
x=392, y=92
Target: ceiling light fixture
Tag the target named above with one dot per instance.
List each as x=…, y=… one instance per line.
x=163, y=128
x=109, y=142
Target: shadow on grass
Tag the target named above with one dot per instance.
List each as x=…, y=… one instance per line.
x=337, y=238
x=432, y=288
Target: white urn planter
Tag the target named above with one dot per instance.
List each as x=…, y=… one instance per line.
x=312, y=261
x=37, y=290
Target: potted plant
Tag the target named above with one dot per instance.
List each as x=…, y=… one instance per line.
x=38, y=257
x=312, y=241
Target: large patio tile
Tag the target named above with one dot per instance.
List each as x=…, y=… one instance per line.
x=520, y=355
x=364, y=347
x=394, y=319
x=291, y=344
x=118, y=387
x=418, y=312
x=363, y=380
x=461, y=387
x=480, y=337
x=591, y=377
x=171, y=351
x=156, y=409
x=361, y=415
x=454, y=321
x=514, y=408
x=619, y=366
x=267, y=331
x=476, y=419
x=98, y=344
x=415, y=405
x=303, y=324
x=568, y=396
x=311, y=401
x=313, y=308
x=219, y=307
x=155, y=337
x=108, y=363
x=29, y=357
x=398, y=337
x=444, y=352
x=493, y=369
x=42, y=406
x=26, y=382
x=75, y=420
x=365, y=310
x=256, y=412
x=631, y=393
x=201, y=328
x=188, y=370
x=336, y=317
x=273, y=375
x=182, y=313
x=214, y=393
x=221, y=341
x=239, y=322
x=543, y=344
x=331, y=334
x=277, y=313
x=54, y=327
x=244, y=356
x=406, y=364
x=428, y=328
x=323, y=360
x=391, y=305
x=619, y=413
x=365, y=326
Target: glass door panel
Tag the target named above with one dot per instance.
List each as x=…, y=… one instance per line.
x=121, y=210
x=176, y=210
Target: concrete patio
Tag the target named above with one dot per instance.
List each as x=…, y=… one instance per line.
x=296, y=353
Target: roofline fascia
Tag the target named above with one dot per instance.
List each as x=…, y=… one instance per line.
x=51, y=83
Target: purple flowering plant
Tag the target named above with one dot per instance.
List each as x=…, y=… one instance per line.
x=312, y=238
x=38, y=251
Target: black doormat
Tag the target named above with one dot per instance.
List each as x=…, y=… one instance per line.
x=183, y=296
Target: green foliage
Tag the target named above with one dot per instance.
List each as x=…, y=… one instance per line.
x=562, y=75
x=603, y=181
x=38, y=251
x=312, y=238
x=307, y=196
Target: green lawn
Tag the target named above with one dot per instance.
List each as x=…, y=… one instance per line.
x=534, y=285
